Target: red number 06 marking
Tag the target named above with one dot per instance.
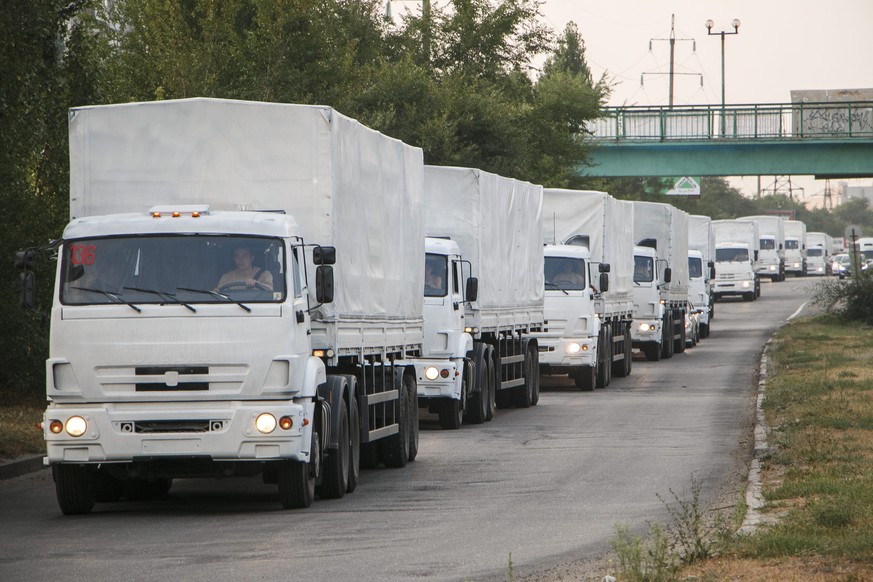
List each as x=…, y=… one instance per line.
x=82, y=254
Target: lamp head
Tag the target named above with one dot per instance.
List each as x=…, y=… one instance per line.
x=709, y=24
x=736, y=24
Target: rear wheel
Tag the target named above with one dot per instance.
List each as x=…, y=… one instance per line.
x=479, y=402
x=74, y=486
x=354, y=442
x=494, y=366
x=679, y=344
x=523, y=395
x=412, y=409
x=604, y=367
x=395, y=448
x=622, y=368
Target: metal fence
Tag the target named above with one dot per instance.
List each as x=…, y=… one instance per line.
x=831, y=120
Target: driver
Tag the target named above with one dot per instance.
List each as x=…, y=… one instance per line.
x=246, y=272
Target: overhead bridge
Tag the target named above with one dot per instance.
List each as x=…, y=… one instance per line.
x=826, y=140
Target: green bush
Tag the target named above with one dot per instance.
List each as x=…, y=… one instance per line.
x=850, y=299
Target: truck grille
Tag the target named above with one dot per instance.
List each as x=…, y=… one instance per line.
x=172, y=378
x=172, y=426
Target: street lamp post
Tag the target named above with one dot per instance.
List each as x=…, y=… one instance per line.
x=709, y=24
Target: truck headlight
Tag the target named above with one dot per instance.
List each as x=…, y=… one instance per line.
x=431, y=373
x=265, y=423
x=772, y=267
x=573, y=348
x=747, y=284
x=647, y=327
x=76, y=426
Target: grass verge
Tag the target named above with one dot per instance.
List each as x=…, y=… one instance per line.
x=818, y=478
x=19, y=434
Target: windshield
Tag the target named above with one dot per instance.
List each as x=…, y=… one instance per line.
x=813, y=252
x=159, y=269
x=768, y=244
x=435, y=284
x=695, y=267
x=791, y=245
x=644, y=269
x=565, y=273
x=731, y=254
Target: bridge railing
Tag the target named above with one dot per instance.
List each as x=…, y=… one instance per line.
x=825, y=120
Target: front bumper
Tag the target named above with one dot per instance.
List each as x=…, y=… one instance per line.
x=447, y=384
x=220, y=431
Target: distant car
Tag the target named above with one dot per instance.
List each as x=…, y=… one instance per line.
x=692, y=327
x=841, y=265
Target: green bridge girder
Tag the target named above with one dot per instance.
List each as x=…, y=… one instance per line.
x=820, y=158
x=824, y=139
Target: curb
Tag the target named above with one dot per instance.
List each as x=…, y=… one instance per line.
x=754, y=498
x=21, y=466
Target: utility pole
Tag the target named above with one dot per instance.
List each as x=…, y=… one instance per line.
x=672, y=40
x=426, y=27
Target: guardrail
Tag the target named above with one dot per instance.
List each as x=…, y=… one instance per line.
x=826, y=120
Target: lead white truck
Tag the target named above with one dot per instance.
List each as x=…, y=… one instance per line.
x=736, y=249
x=795, y=248
x=701, y=270
x=298, y=366
x=483, y=294
x=771, y=254
x=660, y=279
x=588, y=286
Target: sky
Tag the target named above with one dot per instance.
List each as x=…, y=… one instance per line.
x=782, y=45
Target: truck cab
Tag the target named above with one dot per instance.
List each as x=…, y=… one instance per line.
x=699, y=290
x=649, y=324
x=795, y=256
x=770, y=261
x=734, y=272
x=568, y=342
x=445, y=371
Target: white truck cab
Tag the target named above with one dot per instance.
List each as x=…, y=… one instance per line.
x=649, y=327
x=734, y=272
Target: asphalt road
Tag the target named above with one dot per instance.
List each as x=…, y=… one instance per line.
x=546, y=485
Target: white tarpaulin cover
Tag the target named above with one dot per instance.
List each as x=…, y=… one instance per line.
x=608, y=224
x=796, y=229
x=496, y=222
x=700, y=236
x=737, y=231
x=770, y=224
x=669, y=227
x=345, y=184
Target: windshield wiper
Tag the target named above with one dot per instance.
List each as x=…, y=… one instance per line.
x=215, y=294
x=109, y=294
x=556, y=286
x=162, y=295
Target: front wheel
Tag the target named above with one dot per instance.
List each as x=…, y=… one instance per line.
x=585, y=377
x=296, y=480
x=74, y=485
x=653, y=352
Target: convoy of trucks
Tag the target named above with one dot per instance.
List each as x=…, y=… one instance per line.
x=251, y=288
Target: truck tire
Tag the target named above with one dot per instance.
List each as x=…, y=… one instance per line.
x=479, y=403
x=412, y=408
x=354, y=441
x=523, y=395
x=295, y=482
x=395, y=448
x=451, y=411
x=604, y=366
x=335, y=478
x=653, y=352
x=749, y=296
x=622, y=368
x=494, y=364
x=679, y=344
x=535, y=373
x=585, y=377
x=667, y=336
x=74, y=486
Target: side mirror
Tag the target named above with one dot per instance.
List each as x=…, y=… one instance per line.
x=324, y=284
x=471, y=293
x=25, y=259
x=668, y=275
x=604, y=268
x=324, y=255
x=604, y=282
x=28, y=290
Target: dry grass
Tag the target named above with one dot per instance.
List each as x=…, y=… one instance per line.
x=790, y=569
x=19, y=434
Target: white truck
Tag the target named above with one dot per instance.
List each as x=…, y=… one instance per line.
x=736, y=248
x=483, y=293
x=701, y=265
x=238, y=293
x=660, y=279
x=771, y=256
x=819, y=253
x=795, y=248
x=588, y=286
